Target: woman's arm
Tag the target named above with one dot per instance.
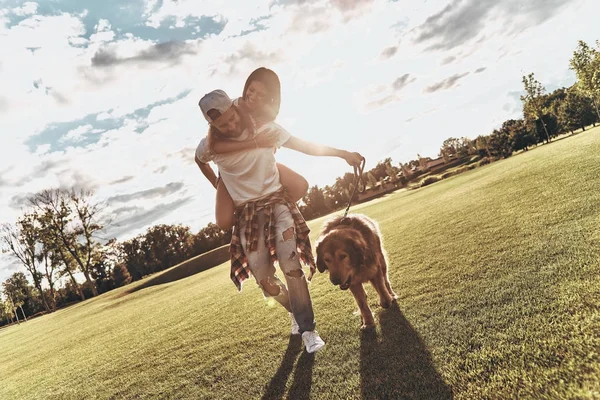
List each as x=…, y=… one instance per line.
x=231, y=146
x=265, y=139
x=314, y=149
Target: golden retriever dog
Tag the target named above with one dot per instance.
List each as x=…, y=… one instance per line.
x=351, y=249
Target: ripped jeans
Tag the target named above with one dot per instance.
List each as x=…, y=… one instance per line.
x=295, y=297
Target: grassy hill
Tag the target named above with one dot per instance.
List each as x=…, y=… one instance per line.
x=498, y=276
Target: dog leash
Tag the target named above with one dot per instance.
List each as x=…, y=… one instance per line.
x=359, y=183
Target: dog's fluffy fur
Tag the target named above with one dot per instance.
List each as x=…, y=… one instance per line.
x=351, y=249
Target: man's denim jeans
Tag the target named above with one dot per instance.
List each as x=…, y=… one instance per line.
x=295, y=298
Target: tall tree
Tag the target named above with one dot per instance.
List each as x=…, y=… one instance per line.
x=315, y=202
x=456, y=148
x=105, y=262
x=73, y=219
x=500, y=143
x=168, y=245
x=120, y=275
x=383, y=169
x=49, y=257
x=211, y=236
x=21, y=241
x=533, y=101
x=15, y=288
x=482, y=144
x=576, y=111
x=51, y=239
x=519, y=137
x=133, y=254
x=7, y=308
x=449, y=149
x=337, y=194
x=586, y=64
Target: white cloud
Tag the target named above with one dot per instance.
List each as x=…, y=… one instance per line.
x=77, y=134
x=337, y=89
x=42, y=149
x=104, y=116
x=28, y=8
x=103, y=25
x=237, y=14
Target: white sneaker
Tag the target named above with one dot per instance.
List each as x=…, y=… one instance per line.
x=295, y=326
x=312, y=341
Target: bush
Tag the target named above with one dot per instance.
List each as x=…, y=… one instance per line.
x=38, y=314
x=458, y=171
x=429, y=180
x=473, y=159
x=121, y=275
x=87, y=290
x=484, y=161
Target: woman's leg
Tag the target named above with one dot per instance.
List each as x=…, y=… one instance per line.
x=224, y=208
x=294, y=183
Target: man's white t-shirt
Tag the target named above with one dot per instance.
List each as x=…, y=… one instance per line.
x=248, y=174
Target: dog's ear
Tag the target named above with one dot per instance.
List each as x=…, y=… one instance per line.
x=357, y=248
x=321, y=266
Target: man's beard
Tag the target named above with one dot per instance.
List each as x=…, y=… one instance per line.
x=237, y=133
x=243, y=124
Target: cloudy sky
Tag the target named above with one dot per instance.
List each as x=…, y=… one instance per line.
x=103, y=94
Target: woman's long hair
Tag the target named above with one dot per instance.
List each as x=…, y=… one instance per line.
x=271, y=81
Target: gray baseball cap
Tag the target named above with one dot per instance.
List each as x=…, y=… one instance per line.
x=215, y=100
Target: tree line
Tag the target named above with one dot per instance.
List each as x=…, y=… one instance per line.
x=545, y=116
x=59, y=235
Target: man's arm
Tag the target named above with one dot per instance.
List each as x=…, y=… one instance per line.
x=314, y=149
x=207, y=171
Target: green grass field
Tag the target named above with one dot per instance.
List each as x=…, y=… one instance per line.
x=498, y=276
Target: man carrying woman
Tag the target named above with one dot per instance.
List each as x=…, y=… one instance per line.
x=257, y=196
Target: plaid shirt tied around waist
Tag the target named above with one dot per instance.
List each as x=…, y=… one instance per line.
x=249, y=214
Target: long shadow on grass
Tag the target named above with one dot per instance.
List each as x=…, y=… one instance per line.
x=302, y=382
x=399, y=366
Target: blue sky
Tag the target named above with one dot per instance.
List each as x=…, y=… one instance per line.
x=104, y=94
